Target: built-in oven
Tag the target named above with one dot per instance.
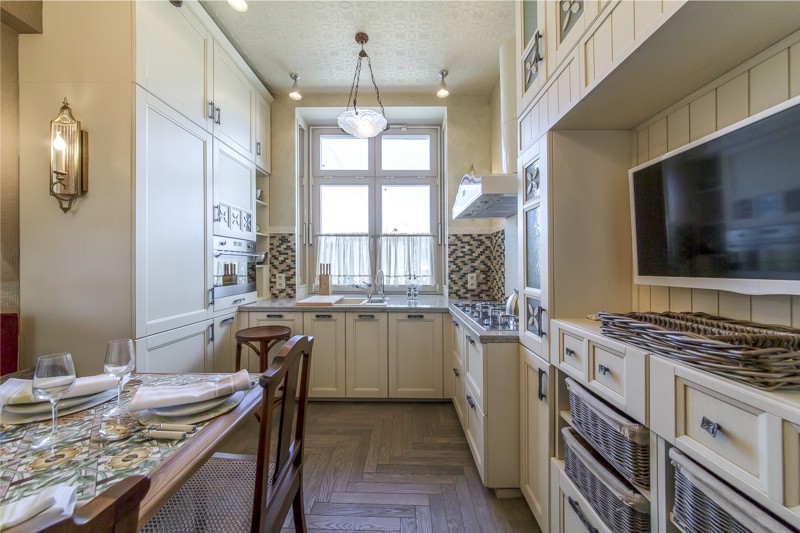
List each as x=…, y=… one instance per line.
x=234, y=269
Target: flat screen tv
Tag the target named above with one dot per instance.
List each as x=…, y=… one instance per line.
x=724, y=211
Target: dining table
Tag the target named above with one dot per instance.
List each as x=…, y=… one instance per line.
x=86, y=459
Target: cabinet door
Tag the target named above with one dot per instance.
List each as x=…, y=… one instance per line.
x=327, y=379
x=532, y=64
x=234, y=104
x=415, y=355
x=367, y=355
x=234, y=194
x=224, y=343
x=181, y=350
x=174, y=59
x=263, y=124
x=173, y=203
x=293, y=321
x=536, y=423
x=534, y=247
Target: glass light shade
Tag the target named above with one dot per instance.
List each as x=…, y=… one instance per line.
x=66, y=180
x=238, y=5
x=362, y=124
x=294, y=94
x=443, y=92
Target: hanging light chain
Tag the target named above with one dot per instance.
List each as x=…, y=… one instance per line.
x=354, y=87
x=377, y=91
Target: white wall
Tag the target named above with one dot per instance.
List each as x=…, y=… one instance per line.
x=767, y=79
x=75, y=267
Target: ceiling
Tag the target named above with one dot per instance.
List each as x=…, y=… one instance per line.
x=409, y=41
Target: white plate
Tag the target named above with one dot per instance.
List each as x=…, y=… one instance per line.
x=190, y=408
x=44, y=407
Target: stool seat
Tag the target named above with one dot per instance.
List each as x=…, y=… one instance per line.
x=266, y=337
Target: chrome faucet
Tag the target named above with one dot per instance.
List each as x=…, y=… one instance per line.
x=365, y=287
x=379, y=282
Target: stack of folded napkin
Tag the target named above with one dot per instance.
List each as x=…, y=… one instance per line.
x=59, y=499
x=15, y=390
x=155, y=397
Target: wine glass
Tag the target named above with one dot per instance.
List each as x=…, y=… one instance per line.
x=119, y=362
x=53, y=378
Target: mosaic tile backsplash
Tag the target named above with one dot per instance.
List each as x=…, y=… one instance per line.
x=282, y=261
x=482, y=254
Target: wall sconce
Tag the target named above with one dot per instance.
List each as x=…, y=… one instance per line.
x=294, y=92
x=69, y=158
x=442, y=92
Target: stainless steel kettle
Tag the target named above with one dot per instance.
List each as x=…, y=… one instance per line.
x=512, y=304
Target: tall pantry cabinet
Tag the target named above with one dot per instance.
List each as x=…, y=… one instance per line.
x=191, y=111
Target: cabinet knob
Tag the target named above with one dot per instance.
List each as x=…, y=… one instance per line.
x=456, y=372
x=603, y=369
x=470, y=340
x=712, y=428
x=471, y=402
x=456, y=324
x=569, y=352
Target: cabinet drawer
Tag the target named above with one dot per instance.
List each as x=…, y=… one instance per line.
x=570, y=511
x=459, y=394
x=791, y=463
x=571, y=352
x=458, y=341
x=474, y=429
x=474, y=368
x=607, y=370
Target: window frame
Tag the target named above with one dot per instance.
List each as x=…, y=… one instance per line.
x=375, y=179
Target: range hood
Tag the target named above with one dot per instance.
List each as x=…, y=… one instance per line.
x=490, y=196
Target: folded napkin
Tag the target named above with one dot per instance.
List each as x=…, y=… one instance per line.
x=59, y=499
x=150, y=397
x=20, y=390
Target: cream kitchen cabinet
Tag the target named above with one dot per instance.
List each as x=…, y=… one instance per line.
x=172, y=237
x=291, y=320
x=536, y=433
x=224, y=337
x=181, y=350
x=570, y=511
x=532, y=59
x=415, y=355
x=454, y=370
x=367, y=355
x=174, y=59
x=234, y=104
x=263, y=150
x=234, y=193
x=327, y=377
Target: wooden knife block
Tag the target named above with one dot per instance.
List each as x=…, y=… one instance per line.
x=324, y=284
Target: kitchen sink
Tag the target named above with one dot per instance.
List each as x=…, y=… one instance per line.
x=362, y=301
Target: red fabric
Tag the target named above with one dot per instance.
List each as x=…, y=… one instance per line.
x=9, y=341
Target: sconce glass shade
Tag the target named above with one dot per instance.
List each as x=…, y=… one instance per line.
x=442, y=92
x=66, y=158
x=294, y=93
x=238, y=5
x=363, y=123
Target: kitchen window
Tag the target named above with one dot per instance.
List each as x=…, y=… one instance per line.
x=375, y=206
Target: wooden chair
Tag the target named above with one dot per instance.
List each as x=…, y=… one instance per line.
x=116, y=510
x=244, y=493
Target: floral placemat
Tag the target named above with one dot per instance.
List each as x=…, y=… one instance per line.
x=81, y=458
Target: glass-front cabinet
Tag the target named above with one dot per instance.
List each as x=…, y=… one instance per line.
x=533, y=246
x=531, y=59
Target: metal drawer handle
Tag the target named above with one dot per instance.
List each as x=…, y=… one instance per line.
x=210, y=297
x=470, y=340
x=218, y=120
x=575, y=507
x=258, y=148
x=541, y=394
x=604, y=370
x=456, y=324
x=323, y=316
x=210, y=109
x=274, y=316
x=456, y=372
x=366, y=317
x=416, y=317
x=226, y=321
x=471, y=402
x=711, y=427
x=238, y=301
x=569, y=352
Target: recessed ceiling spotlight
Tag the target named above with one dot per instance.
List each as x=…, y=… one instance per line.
x=294, y=93
x=442, y=92
x=238, y=5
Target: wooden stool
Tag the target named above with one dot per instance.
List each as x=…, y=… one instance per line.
x=266, y=336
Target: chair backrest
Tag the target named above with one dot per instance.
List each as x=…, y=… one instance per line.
x=116, y=510
x=274, y=494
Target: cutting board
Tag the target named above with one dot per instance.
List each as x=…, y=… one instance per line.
x=320, y=300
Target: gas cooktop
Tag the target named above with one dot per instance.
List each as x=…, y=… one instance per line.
x=488, y=315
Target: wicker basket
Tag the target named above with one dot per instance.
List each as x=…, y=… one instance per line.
x=615, y=501
x=624, y=443
x=704, y=503
x=767, y=357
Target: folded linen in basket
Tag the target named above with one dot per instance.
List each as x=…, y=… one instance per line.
x=20, y=390
x=59, y=499
x=150, y=397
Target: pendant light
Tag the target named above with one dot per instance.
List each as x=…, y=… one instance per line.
x=362, y=123
x=442, y=92
x=294, y=93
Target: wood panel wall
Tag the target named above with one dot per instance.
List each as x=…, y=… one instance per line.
x=767, y=79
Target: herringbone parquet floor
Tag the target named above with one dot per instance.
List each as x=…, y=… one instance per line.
x=393, y=467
